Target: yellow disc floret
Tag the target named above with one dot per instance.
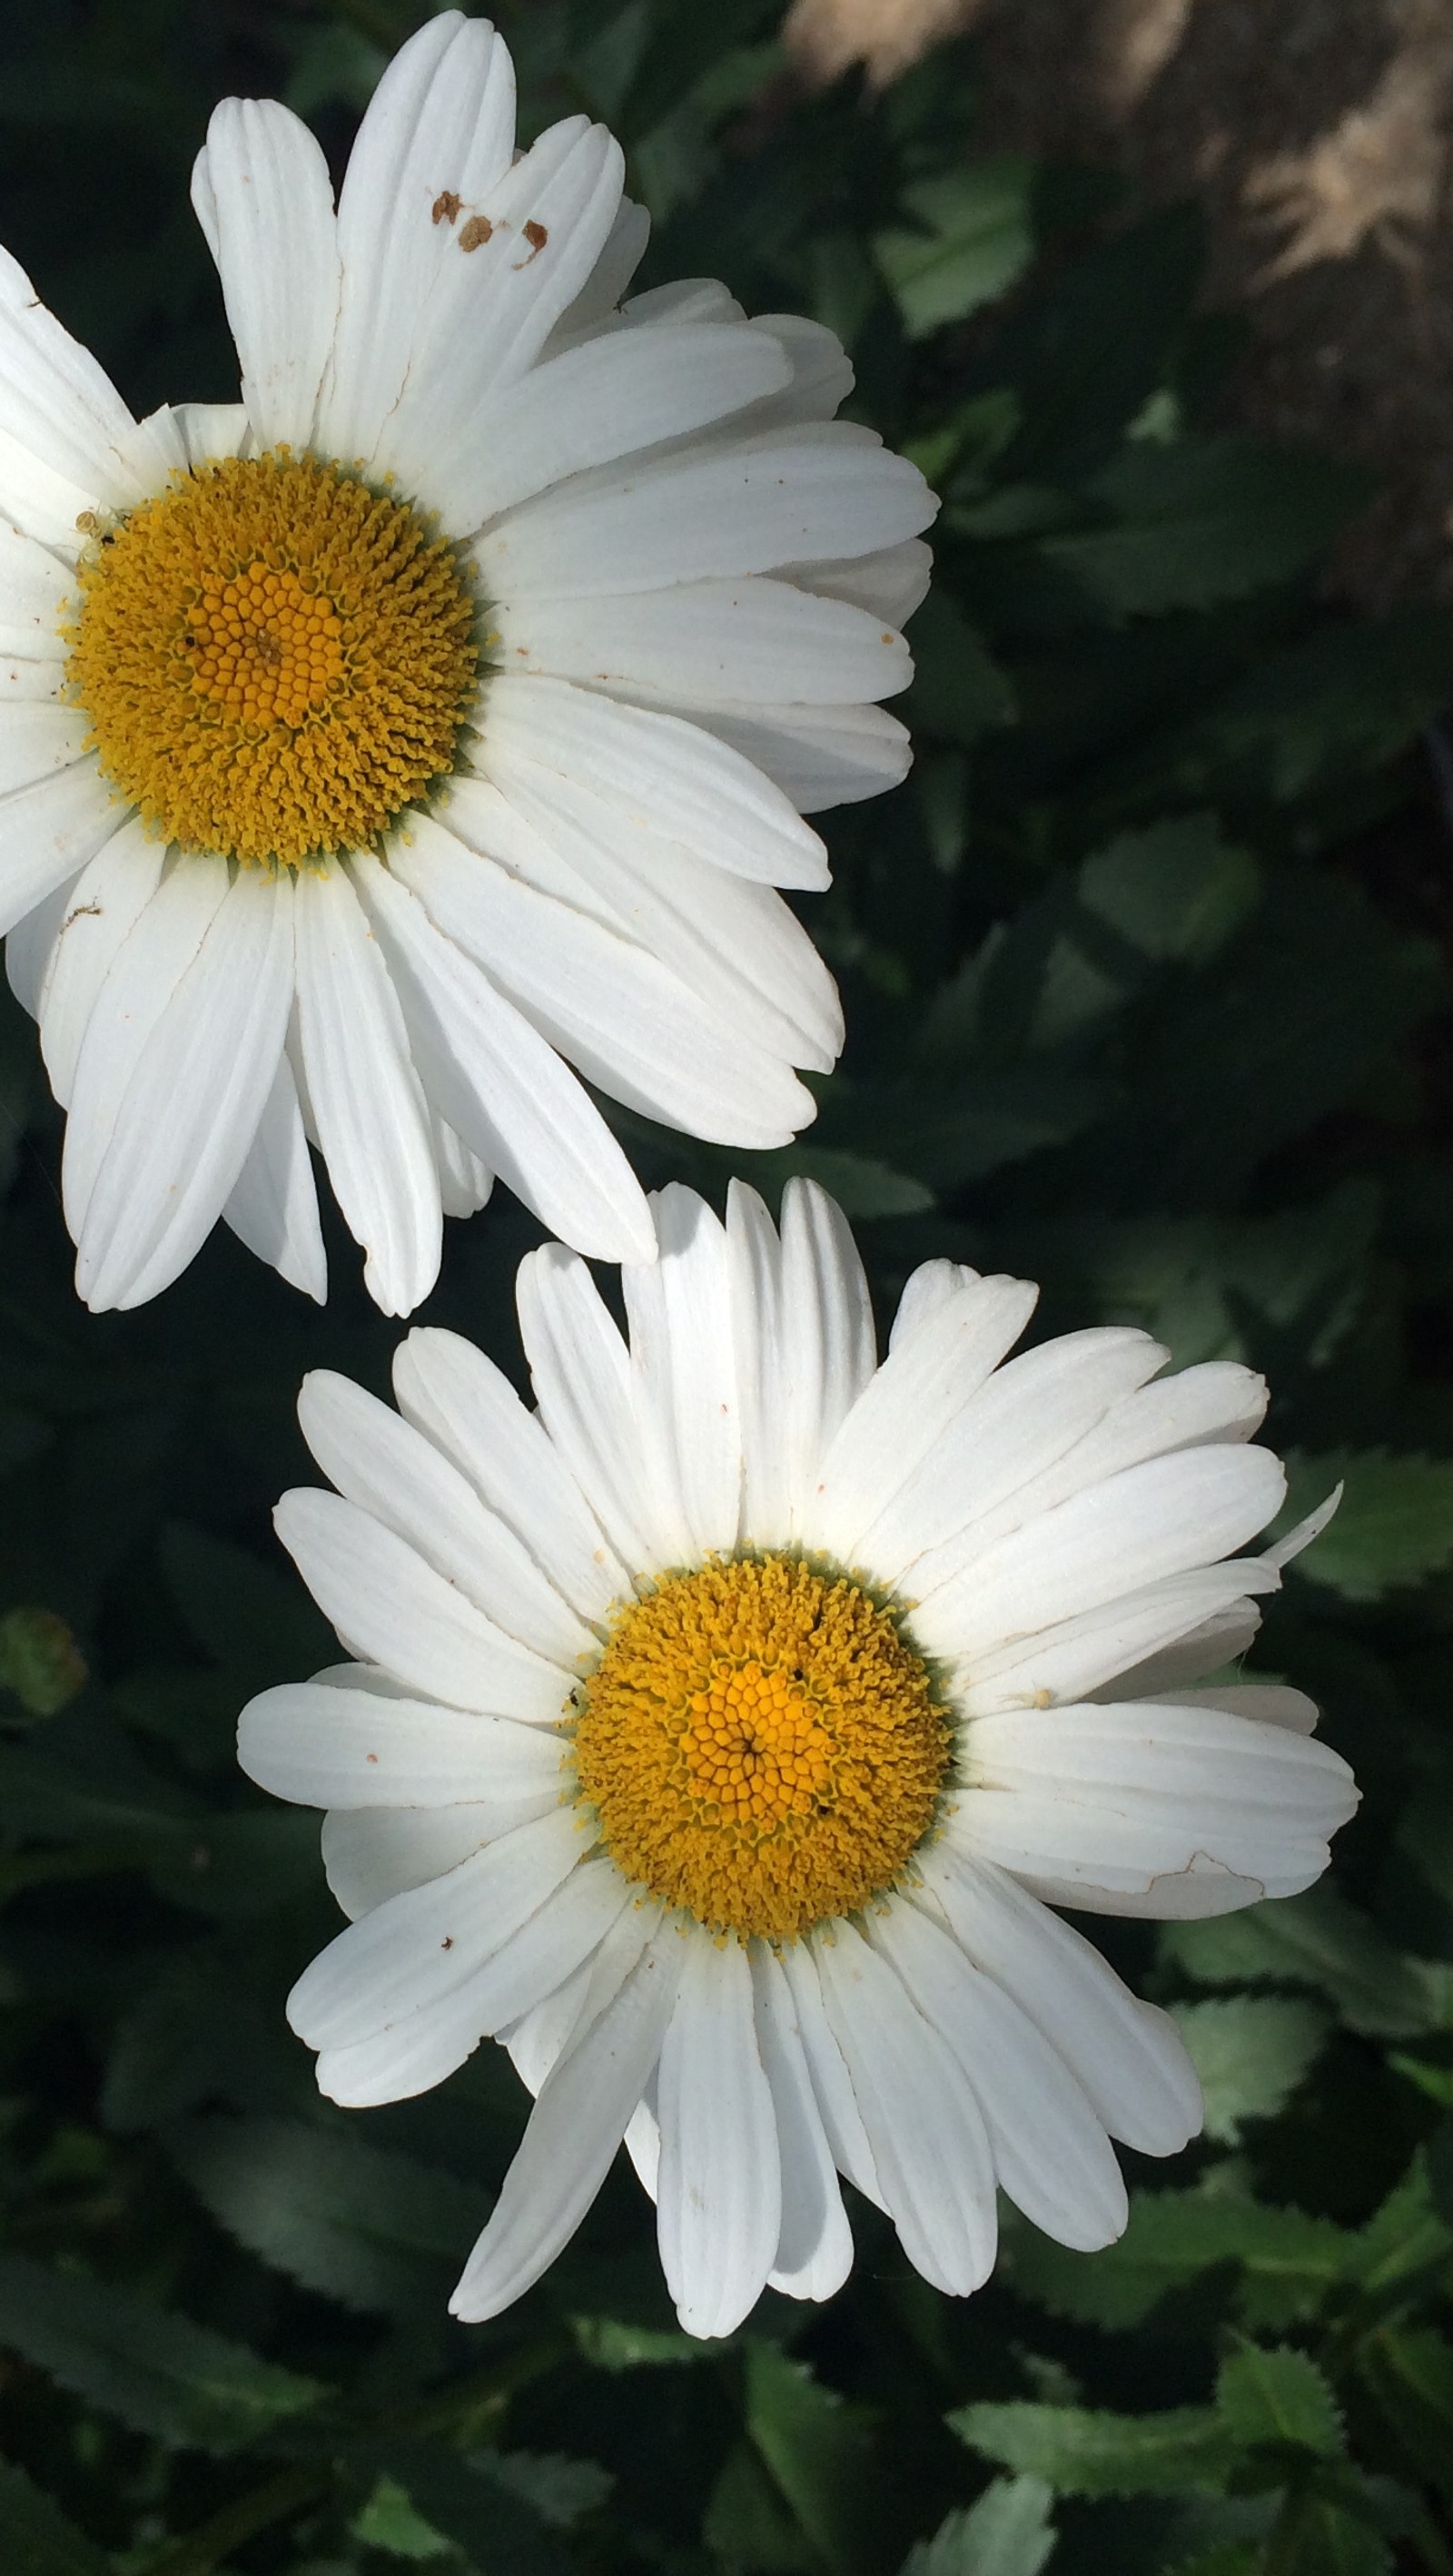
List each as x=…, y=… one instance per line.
x=274, y=659
x=761, y=1746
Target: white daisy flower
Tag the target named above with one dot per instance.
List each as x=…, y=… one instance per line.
x=440, y=717
x=723, y=1732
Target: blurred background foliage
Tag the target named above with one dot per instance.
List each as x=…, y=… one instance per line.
x=1147, y=984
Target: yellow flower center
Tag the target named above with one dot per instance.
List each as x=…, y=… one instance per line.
x=761, y=1746
x=274, y=659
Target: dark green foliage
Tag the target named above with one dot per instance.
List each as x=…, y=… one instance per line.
x=1146, y=982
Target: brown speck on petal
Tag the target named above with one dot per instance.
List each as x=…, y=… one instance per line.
x=445, y=207
x=475, y=232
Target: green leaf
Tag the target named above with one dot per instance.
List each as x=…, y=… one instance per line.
x=39, y=2541
x=1205, y=522
x=817, y=2450
x=970, y=237
x=1080, y=2452
x=1008, y=2532
x=380, y=2232
x=1409, y=2371
x=1280, y=2397
x=686, y=44
x=1084, y=354
x=475, y=2504
x=1392, y=1528
x=1315, y=1940
x=959, y=691
x=747, y=2526
x=155, y=2370
x=40, y=1661
x=388, y=2522
x=196, y=2033
x=1287, y=2260
x=1250, y=2052
x=1177, y=891
x=1333, y=707
x=1320, y=2536
x=1404, y=2245
x=608, y=2343
x=250, y=1617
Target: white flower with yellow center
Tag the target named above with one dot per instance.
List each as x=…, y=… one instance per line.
x=724, y=1731
x=439, y=718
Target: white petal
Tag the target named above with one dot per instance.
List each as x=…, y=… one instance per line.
x=373, y=1853
x=930, y=1376
x=463, y=1403
x=1175, y=1626
x=686, y=299
x=1154, y=1520
x=890, y=584
x=427, y=1943
x=502, y=1086
x=1145, y=1809
x=1129, y=2057
x=760, y=1343
x=926, y=2132
x=391, y=1471
x=622, y=1018
x=58, y=405
x=832, y=2086
x=210, y=431
x=499, y=293
x=48, y=831
x=190, y=1110
x=535, y=2041
x=372, y=1120
x=822, y=371
x=144, y=972
x=815, y=2243
x=1020, y=1424
x=30, y=947
x=104, y=902
x=571, y=2140
x=441, y=123
x=38, y=737
x=396, y=1611
x=273, y=1208
x=33, y=587
x=801, y=496
x=425, y=2047
x=581, y=1374
x=593, y=309
x=1222, y=1638
x=720, y=2182
x=594, y=403
x=683, y=1384
x=265, y=202
x=1218, y=1401
x=1291, y=1544
x=654, y=772
x=465, y=1184
x=818, y=756
x=1270, y=1703
x=831, y=1348
x=749, y=640
x=926, y=1291
x=1051, y=2153
x=321, y=1746
x=733, y=942
x=803, y=1326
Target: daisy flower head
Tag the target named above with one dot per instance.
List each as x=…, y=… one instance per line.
x=722, y=1734
x=434, y=726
